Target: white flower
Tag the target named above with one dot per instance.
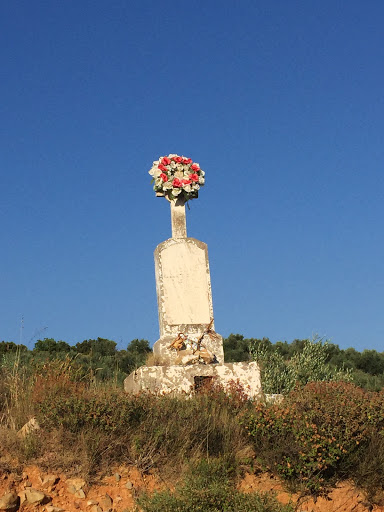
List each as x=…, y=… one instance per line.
x=179, y=174
x=202, y=172
x=156, y=173
x=158, y=182
x=201, y=180
x=171, y=155
x=173, y=164
x=167, y=185
x=180, y=167
x=187, y=188
x=186, y=167
x=176, y=191
x=195, y=186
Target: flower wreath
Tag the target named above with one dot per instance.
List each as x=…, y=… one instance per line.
x=177, y=177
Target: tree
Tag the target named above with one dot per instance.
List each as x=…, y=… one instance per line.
x=371, y=362
x=139, y=346
x=51, y=346
x=138, y=351
x=9, y=346
x=236, y=348
x=100, y=347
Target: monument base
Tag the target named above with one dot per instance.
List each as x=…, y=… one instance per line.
x=168, y=356
x=186, y=379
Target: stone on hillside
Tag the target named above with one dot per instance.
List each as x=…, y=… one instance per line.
x=49, y=480
x=51, y=508
x=75, y=487
x=96, y=508
x=129, y=485
x=23, y=497
x=105, y=502
x=10, y=502
x=31, y=426
x=36, y=497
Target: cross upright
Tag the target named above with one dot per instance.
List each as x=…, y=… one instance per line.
x=178, y=217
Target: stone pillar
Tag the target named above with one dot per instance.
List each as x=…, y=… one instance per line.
x=178, y=220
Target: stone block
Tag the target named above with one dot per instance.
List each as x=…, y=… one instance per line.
x=185, y=379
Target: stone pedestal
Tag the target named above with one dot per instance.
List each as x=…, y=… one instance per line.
x=186, y=379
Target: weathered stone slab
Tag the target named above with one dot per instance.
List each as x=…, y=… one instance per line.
x=184, y=295
x=184, y=379
x=183, y=284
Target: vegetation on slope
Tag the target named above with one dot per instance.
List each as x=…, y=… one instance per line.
x=106, y=362
x=319, y=433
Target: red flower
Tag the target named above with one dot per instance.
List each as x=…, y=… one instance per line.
x=186, y=182
x=164, y=177
x=195, y=167
x=165, y=160
x=177, y=183
x=194, y=177
x=177, y=159
x=187, y=161
x=162, y=167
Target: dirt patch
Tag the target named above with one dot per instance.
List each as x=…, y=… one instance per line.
x=343, y=498
x=123, y=484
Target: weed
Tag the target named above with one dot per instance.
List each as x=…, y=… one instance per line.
x=209, y=486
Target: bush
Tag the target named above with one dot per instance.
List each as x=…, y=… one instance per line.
x=309, y=364
x=144, y=430
x=209, y=486
x=312, y=435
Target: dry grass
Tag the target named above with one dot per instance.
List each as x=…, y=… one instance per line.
x=155, y=360
x=88, y=428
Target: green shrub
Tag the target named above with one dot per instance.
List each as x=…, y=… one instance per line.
x=310, y=437
x=309, y=364
x=209, y=487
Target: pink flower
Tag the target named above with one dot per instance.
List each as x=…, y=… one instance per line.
x=164, y=177
x=187, y=161
x=177, y=159
x=186, y=182
x=194, y=177
x=165, y=160
x=162, y=167
x=195, y=167
x=177, y=183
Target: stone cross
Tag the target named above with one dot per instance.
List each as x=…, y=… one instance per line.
x=184, y=298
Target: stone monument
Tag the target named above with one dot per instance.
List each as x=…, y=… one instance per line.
x=189, y=352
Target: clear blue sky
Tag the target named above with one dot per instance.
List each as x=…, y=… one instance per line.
x=281, y=103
